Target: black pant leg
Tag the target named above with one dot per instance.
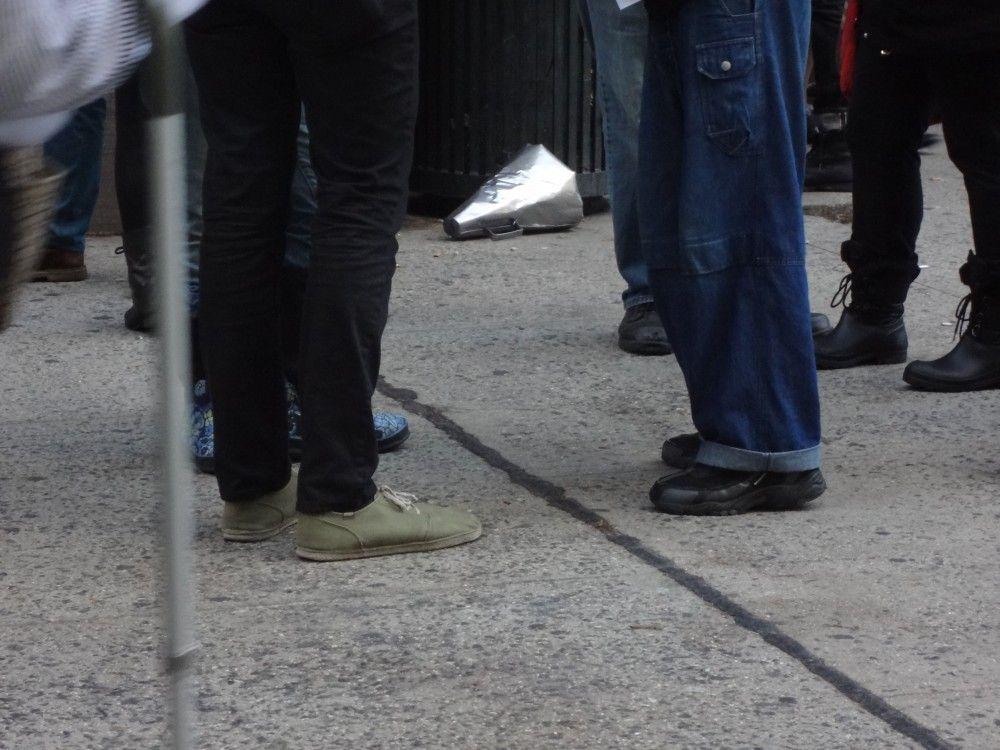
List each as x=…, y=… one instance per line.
x=888, y=116
x=131, y=180
x=968, y=87
x=250, y=113
x=824, y=39
x=357, y=74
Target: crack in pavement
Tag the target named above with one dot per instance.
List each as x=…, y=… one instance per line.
x=556, y=497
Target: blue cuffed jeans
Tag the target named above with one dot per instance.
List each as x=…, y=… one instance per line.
x=619, y=41
x=721, y=155
x=77, y=149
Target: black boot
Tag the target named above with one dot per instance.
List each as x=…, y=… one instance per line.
x=141, y=316
x=641, y=331
x=863, y=336
x=710, y=491
x=974, y=363
x=828, y=163
x=870, y=330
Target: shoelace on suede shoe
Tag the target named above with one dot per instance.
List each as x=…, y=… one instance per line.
x=405, y=501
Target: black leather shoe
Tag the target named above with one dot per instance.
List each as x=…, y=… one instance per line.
x=641, y=331
x=139, y=320
x=680, y=451
x=971, y=366
x=855, y=342
x=828, y=163
x=710, y=491
x=820, y=324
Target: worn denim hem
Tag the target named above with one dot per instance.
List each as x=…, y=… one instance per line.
x=636, y=300
x=740, y=459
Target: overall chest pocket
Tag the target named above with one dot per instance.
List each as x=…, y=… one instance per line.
x=728, y=81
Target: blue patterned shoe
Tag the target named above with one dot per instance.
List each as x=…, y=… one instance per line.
x=202, y=429
x=391, y=430
x=294, y=423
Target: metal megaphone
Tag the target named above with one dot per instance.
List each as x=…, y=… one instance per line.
x=534, y=193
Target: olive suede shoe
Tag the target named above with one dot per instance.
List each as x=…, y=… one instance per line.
x=390, y=525
x=262, y=518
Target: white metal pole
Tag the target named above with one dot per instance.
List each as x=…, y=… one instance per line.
x=165, y=138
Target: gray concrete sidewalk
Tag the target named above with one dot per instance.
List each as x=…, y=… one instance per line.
x=582, y=619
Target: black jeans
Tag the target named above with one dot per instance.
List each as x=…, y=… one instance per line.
x=824, y=38
x=353, y=63
x=889, y=113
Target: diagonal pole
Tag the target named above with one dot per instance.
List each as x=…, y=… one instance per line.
x=165, y=137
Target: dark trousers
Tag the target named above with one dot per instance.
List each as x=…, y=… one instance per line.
x=890, y=111
x=824, y=38
x=353, y=64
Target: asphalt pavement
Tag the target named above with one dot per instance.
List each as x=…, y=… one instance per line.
x=582, y=618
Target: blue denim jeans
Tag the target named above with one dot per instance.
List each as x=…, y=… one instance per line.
x=722, y=149
x=77, y=149
x=619, y=41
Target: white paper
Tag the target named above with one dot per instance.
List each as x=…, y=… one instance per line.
x=623, y=4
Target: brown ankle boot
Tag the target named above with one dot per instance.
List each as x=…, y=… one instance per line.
x=60, y=265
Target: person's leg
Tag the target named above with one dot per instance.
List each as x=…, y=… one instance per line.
x=360, y=102
x=888, y=116
x=132, y=192
x=726, y=248
x=249, y=121
x=391, y=430
x=77, y=149
x=356, y=69
x=619, y=41
x=828, y=164
x=131, y=183
x=968, y=89
x=824, y=37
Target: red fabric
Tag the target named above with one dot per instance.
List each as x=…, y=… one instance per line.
x=849, y=46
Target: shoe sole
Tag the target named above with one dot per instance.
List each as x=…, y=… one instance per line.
x=319, y=555
x=938, y=386
x=774, y=498
x=240, y=535
x=60, y=275
x=888, y=358
x=645, y=350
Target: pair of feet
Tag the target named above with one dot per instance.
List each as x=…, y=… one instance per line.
x=393, y=523
x=700, y=490
x=391, y=430
x=973, y=364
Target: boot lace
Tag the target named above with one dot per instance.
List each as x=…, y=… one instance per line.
x=963, y=315
x=843, y=291
x=405, y=501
